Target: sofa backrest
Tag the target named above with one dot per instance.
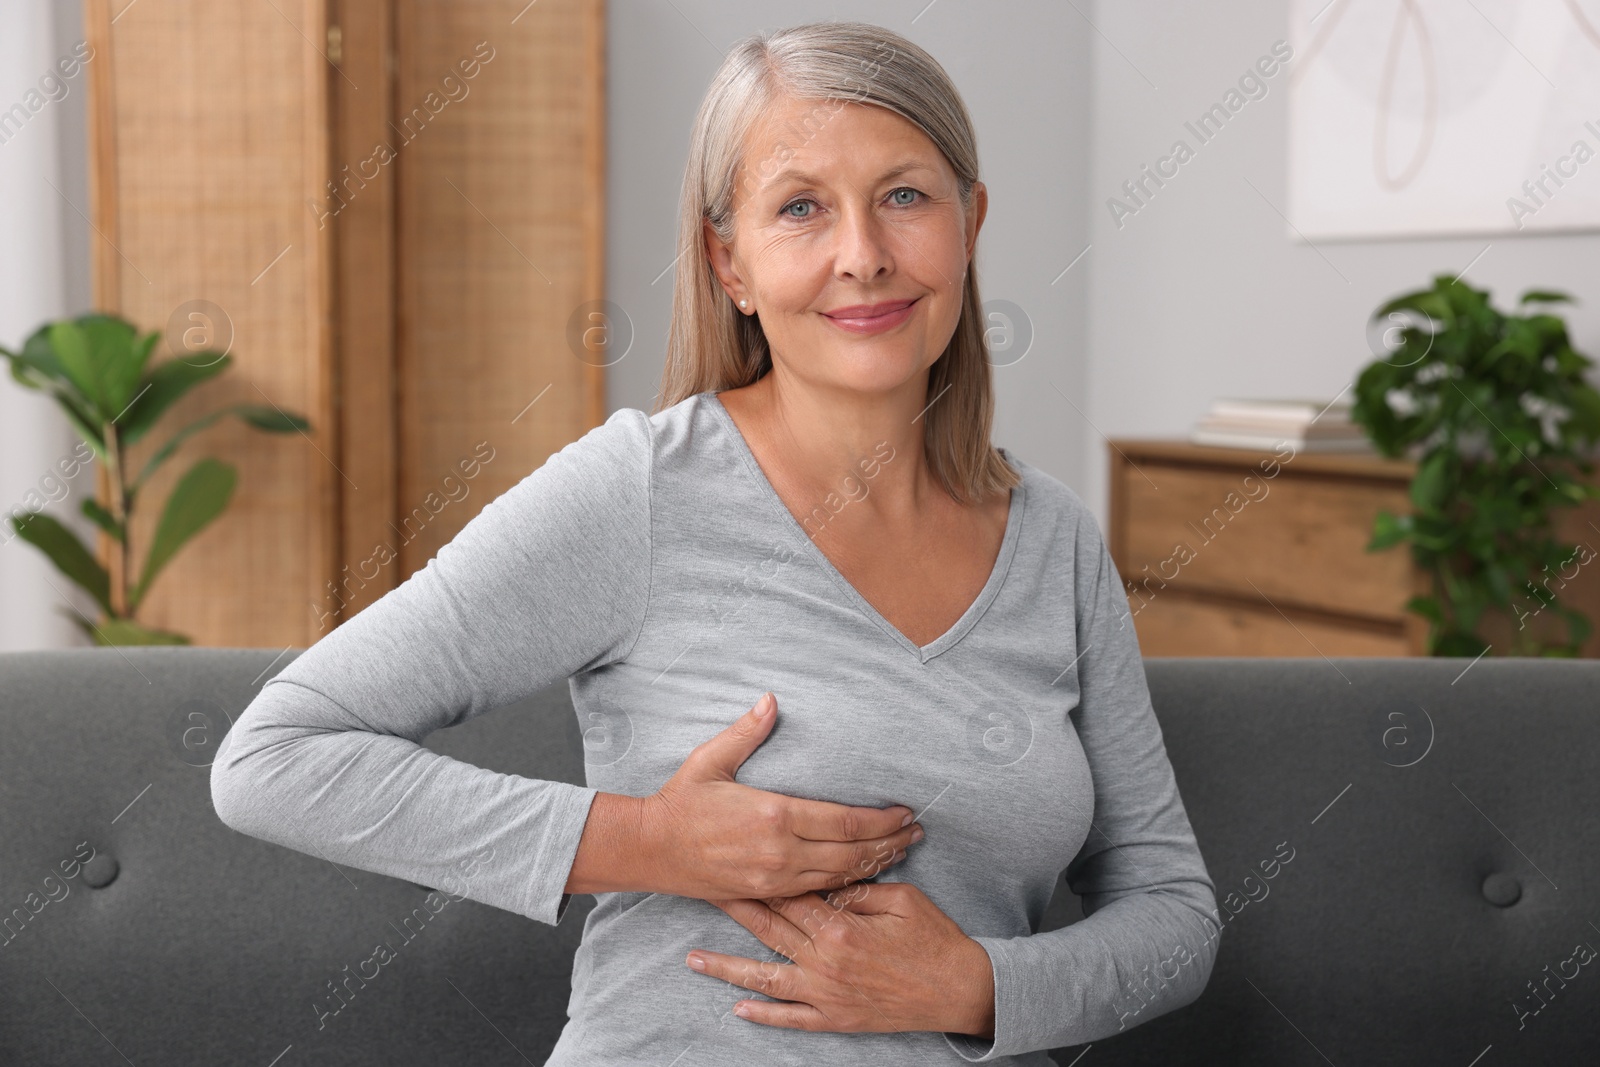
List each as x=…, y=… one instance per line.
x=183, y=941
x=1406, y=861
x=1406, y=854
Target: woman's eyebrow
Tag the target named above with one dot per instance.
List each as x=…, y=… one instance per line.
x=795, y=174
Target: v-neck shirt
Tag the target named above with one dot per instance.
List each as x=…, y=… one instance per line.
x=652, y=565
x=974, y=610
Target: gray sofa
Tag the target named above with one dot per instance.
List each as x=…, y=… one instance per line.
x=1408, y=859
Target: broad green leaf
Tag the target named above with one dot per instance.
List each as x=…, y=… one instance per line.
x=38, y=351
x=128, y=632
x=101, y=517
x=1493, y=353
x=1459, y=643
x=1578, y=625
x=1519, y=339
x=1428, y=303
x=141, y=351
x=161, y=454
x=260, y=416
x=1427, y=607
x=1499, y=584
x=24, y=375
x=271, y=419
x=1551, y=330
x=1432, y=542
x=67, y=553
x=1544, y=296
x=71, y=347
x=1467, y=610
x=1388, y=530
x=114, y=350
x=1455, y=592
x=36, y=366
x=87, y=428
x=1470, y=305
x=200, y=496
x=1428, y=486
x=1584, y=403
x=167, y=383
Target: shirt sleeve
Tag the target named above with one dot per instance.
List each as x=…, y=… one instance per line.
x=1149, y=936
x=550, y=579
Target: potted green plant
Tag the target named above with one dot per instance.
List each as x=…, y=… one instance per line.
x=1495, y=410
x=97, y=367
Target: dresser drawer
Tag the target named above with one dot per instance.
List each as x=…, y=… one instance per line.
x=1173, y=624
x=1297, y=539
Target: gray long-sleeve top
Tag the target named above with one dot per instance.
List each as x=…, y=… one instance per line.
x=652, y=563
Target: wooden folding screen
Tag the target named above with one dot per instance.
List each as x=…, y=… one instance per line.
x=392, y=211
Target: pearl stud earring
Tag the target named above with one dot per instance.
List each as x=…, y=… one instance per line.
x=744, y=303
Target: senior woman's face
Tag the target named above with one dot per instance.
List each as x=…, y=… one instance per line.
x=840, y=206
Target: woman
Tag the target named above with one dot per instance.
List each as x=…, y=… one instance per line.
x=814, y=510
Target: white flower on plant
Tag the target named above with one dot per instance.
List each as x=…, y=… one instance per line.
x=1432, y=373
x=1402, y=402
x=1550, y=415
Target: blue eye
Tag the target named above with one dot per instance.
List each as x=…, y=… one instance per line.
x=807, y=200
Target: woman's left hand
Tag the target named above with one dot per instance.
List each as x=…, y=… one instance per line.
x=873, y=956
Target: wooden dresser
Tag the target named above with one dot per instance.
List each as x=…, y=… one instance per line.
x=1238, y=552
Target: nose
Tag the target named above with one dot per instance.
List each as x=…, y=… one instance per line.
x=862, y=244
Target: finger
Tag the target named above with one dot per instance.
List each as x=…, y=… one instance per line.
x=771, y=929
x=724, y=753
x=789, y=1014
x=808, y=913
x=821, y=820
x=781, y=980
x=868, y=898
x=851, y=898
x=832, y=864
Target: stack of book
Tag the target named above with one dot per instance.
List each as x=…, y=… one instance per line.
x=1307, y=425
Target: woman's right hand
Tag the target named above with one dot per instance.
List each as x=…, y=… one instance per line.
x=710, y=837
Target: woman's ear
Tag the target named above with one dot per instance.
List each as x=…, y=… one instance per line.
x=980, y=208
x=720, y=256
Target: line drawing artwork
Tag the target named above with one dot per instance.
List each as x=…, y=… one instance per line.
x=1443, y=117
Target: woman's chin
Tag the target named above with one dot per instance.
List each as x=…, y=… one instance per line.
x=866, y=372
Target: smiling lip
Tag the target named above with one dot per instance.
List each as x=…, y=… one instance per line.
x=871, y=318
x=868, y=311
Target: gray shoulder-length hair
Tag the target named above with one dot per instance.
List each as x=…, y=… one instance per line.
x=711, y=345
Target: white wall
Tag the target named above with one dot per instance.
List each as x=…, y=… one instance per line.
x=44, y=274
x=1200, y=293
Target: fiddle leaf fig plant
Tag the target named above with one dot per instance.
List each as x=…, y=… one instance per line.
x=1501, y=421
x=97, y=368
